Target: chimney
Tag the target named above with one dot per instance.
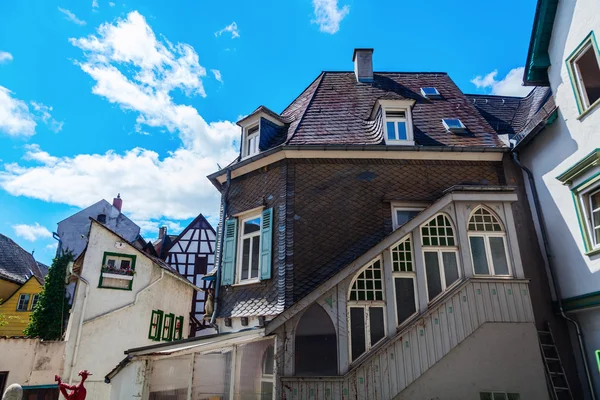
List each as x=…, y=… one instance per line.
x=363, y=65
x=162, y=232
x=117, y=202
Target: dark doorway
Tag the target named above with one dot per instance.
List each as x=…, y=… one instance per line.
x=316, y=344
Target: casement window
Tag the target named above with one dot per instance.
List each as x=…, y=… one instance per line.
x=454, y=125
x=247, y=248
x=23, y=302
x=440, y=255
x=366, y=309
x=117, y=271
x=156, y=325
x=168, y=325
x=487, y=240
x=402, y=215
x=398, y=126
x=403, y=273
x=584, y=68
x=34, y=301
x=251, y=141
x=267, y=377
x=178, y=329
x=499, y=396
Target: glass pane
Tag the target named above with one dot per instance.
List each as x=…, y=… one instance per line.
x=245, y=258
x=499, y=396
x=402, y=131
x=357, y=331
x=391, y=131
x=432, y=269
x=266, y=389
x=403, y=216
x=596, y=219
x=480, y=263
x=110, y=263
x=268, y=360
x=376, y=324
x=405, y=298
x=590, y=74
x=249, y=377
x=252, y=225
x=450, y=267
x=485, y=396
x=499, y=255
x=169, y=378
x=212, y=375
x=595, y=198
x=125, y=264
x=255, y=256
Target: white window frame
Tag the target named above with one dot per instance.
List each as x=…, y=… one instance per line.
x=118, y=261
x=246, y=217
x=460, y=129
x=34, y=299
x=432, y=95
x=396, y=208
x=21, y=296
x=585, y=198
x=270, y=378
x=440, y=250
x=405, y=275
x=486, y=243
x=247, y=151
x=410, y=141
x=579, y=83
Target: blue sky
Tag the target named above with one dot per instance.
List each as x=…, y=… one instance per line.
x=141, y=97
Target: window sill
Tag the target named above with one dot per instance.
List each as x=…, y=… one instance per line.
x=588, y=110
x=117, y=276
x=246, y=283
x=481, y=276
x=593, y=252
x=400, y=142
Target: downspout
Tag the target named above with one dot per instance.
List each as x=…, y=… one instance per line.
x=220, y=261
x=76, y=350
x=543, y=232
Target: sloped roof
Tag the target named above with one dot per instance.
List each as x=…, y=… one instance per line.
x=17, y=264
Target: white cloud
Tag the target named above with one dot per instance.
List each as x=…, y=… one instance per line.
x=217, y=75
x=154, y=188
x=44, y=112
x=15, y=117
x=94, y=4
x=232, y=28
x=328, y=16
x=5, y=57
x=71, y=17
x=511, y=85
x=110, y=3
x=32, y=232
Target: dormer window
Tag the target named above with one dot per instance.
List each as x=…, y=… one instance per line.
x=454, y=125
x=251, y=140
x=398, y=126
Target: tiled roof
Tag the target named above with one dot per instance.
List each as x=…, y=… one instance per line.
x=17, y=264
x=510, y=115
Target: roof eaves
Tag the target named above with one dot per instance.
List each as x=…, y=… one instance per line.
x=538, y=60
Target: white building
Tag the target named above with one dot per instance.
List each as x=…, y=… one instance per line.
x=563, y=154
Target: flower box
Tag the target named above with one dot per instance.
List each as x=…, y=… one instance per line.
x=117, y=276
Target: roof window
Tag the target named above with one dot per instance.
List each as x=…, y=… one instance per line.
x=454, y=125
x=430, y=92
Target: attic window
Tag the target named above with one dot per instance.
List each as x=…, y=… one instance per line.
x=453, y=125
x=430, y=92
x=101, y=218
x=251, y=140
x=398, y=126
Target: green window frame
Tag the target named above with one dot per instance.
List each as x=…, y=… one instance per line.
x=583, y=105
x=178, y=328
x=116, y=264
x=167, y=329
x=156, y=321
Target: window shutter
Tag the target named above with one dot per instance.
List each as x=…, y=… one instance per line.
x=229, y=245
x=266, y=241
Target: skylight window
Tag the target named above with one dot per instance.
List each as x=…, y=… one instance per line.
x=453, y=125
x=430, y=92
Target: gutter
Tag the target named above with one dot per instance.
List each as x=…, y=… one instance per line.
x=77, y=341
x=549, y=257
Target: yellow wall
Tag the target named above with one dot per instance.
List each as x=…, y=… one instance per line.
x=18, y=320
x=6, y=289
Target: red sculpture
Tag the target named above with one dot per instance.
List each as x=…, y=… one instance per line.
x=78, y=392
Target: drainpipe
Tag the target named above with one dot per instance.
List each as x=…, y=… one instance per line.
x=220, y=261
x=76, y=350
x=538, y=211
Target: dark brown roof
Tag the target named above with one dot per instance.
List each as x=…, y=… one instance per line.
x=17, y=264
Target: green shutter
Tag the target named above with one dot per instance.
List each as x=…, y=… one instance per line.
x=266, y=243
x=229, y=245
x=167, y=331
x=155, y=325
x=178, y=328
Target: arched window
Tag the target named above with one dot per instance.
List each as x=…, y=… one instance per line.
x=488, y=243
x=366, y=309
x=403, y=272
x=440, y=255
x=315, y=344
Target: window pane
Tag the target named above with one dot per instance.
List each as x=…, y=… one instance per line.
x=405, y=298
x=245, y=258
x=402, y=131
x=376, y=324
x=169, y=378
x=590, y=74
x=266, y=389
x=357, y=330
x=255, y=256
x=212, y=375
x=125, y=264
x=403, y=216
x=499, y=396
x=480, y=263
x=432, y=269
x=450, y=267
x=391, y=131
x=595, y=198
x=499, y=255
x=252, y=225
x=110, y=263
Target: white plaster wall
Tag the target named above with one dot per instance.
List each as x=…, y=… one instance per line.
x=106, y=334
x=129, y=382
x=31, y=362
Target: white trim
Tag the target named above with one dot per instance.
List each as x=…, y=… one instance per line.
x=243, y=214
x=579, y=82
x=402, y=208
x=246, y=140
x=407, y=120
x=252, y=236
x=19, y=302
x=405, y=275
x=460, y=129
x=117, y=276
x=365, y=305
x=595, y=241
x=439, y=250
